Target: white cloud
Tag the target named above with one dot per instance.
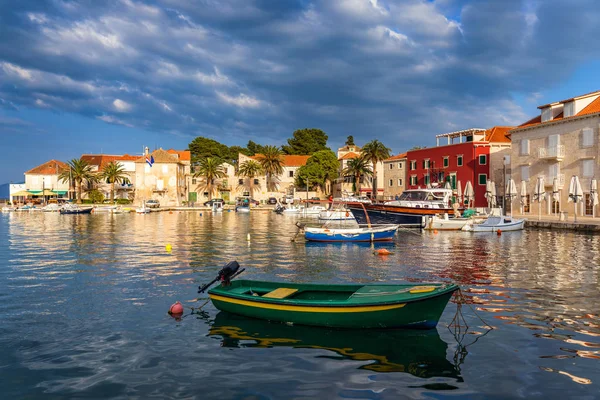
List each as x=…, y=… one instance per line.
x=16, y=71
x=121, y=106
x=242, y=101
x=215, y=79
x=112, y=120
x=37, y=18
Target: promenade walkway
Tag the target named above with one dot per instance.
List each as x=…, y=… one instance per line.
x=584, y=223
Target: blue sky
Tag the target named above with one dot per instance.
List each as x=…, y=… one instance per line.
x=86, y=76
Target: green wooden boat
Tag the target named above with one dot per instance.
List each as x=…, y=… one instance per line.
x=338, y=306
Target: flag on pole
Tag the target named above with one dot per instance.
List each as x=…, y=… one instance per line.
x=149, y=160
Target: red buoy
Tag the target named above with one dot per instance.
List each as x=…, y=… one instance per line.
x=499, y=232
x=176, y=309
x=383, y=252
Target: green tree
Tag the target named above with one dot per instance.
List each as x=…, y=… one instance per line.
x=375, y=151
x=79, y=171
x=322, y=167
x=113, y=172
x=234, y=154
x=250, y=169
x=417, y=148
x=271, y=161
x=357, y=167
x=306, y=142
x=210, y=169
x=350, y=141
x=202, y=147
x=254, y=148
x=95, y=196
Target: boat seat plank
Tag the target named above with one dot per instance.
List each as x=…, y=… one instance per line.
x=280, y=293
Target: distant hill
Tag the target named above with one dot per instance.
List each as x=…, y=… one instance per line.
x=4, y=190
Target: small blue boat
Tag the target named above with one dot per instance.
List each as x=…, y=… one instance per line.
x=361, y=234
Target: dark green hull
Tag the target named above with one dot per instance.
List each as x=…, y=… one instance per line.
x=337, y=306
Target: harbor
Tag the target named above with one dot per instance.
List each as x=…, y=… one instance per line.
x=85, y=313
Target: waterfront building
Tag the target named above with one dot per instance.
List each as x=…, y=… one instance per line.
x=560, y=142
x=42, y=183
x=165, y=180
x=394, y=176
x=123, y=190
x=343, y=185
x=474, y=155
x=280, y=185
x=222, y=188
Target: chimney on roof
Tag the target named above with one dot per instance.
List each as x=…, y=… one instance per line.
x=146, y=151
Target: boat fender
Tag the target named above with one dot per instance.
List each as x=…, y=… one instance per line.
x=176, y=309
x=383, y=252
x=347, y=213
x=499, y=232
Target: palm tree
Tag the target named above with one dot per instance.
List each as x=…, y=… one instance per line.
x=210, y=168
x=113, y=172
x=79, y=171
x=375, y=151
x=250, y=169
x=357, y=167
x=271, y=161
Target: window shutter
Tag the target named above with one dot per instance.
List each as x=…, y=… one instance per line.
x=525, y=173
x=588, y=168
x=588, y=137
x=525, y=147
x=553, y=141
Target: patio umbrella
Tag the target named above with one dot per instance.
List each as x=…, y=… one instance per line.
x=469, y=193
x=523, y=196
x=511, y=193
x=458, y=192
x=21, y=193
x=539, y=194
x=555, y=192
x=575, y=192
x=594, y=196
x=490, y=193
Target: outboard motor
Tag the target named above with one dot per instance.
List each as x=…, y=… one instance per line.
x=230, y=270
x=279, y=208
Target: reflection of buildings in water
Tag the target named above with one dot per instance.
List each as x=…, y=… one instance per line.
x=419, y=353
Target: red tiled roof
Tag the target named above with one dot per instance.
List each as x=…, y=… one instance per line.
x=398, y=157
x=51, y=167
x=570, y=99
x=592, y=108
x=100, y=160
x=294, y=161
x=350, y=155
x=498, y=134
x=184, y=155
x=160, y=156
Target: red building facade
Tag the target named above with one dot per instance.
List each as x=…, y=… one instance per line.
x=468, y=160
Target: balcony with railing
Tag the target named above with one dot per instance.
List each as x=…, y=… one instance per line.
x=549, y=180
x=552, y=153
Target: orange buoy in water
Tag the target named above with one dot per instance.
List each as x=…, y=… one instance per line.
x=176, y=309
x=170, y=212
x=499, y=232
x=383, y=252
x=435, y=232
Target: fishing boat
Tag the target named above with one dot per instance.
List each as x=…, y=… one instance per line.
x=495, y=224
x=357, y=306
x=409, y=210
x=351, y=234
x=421, y=353
x=75, y=209
x=445, y=223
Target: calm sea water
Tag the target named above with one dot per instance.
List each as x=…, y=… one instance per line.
x=83, y=301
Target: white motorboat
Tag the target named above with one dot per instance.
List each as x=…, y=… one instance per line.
x=444, y=223
x=495, y=224
x=336, y=215
x=312, y=211
x=143, y=209
x=51, y=208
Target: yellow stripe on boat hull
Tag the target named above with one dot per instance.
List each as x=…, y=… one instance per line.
x=285, y=307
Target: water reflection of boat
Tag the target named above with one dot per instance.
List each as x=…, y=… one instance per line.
x=419, y=353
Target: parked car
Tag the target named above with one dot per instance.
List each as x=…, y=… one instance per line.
x=272, y=200
x=254, y=202
x=315, y=198
x=209, y=203
x=152, y=203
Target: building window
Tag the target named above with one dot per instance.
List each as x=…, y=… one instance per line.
x=391, y=182
x=587, y=139
x=291, y=174
x=399, y=182
x=524, y=147
x=482, y=159
x=193, y=181
x=413, y=180
x=426, y=164
x=391, y=166
x=482, y=179
x=413, y=165
x=399, y=165
x=256, y=181
x=525, y=172
x=459, y=161
x=165, y=169
x=446, y=162
x=240, y=181
x=588, y=168
x=589, y=204
x=426, y=179
x=441, y=176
